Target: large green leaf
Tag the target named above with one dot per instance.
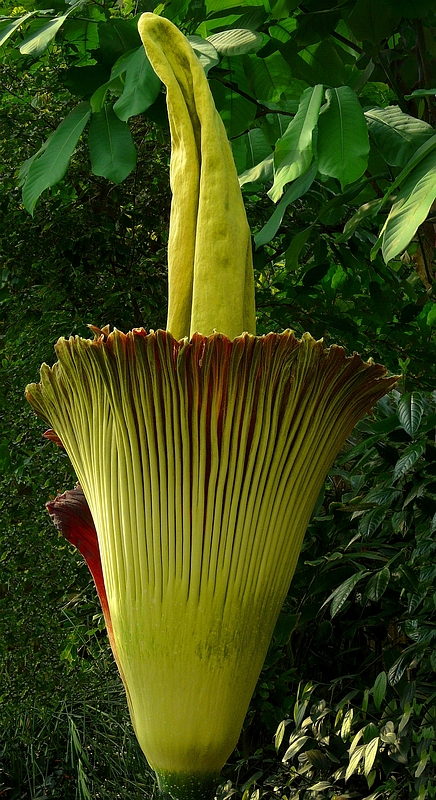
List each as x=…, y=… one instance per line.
x=236, y=111
x=410, y=410
x=205, y=52
x=121, y=66
x=298, y=188
x=341, y=594
x=372, y=21
x=260, y=173
x=274, y=126
x=269, y=77
x=225, y=5
x=410, y=208
x=258, y=161
x=298, y=241
x=377, y=584
x=343, y=144
x=51, y=165
x=428, y=147
x=236, y=42
x=383, y=494
x=371, y=750
x=397, y=135
x=39, y=40
x=258, y=147
x=421, y=93
x=365, y=210
x=283, y=29
x=325, y=63
x=117, y=37
x=316, y=26
x=379, y=689
x=82, y=36
x=113, y=154
x=293, y=153
x=295, y=748
x=232, y=69
x=299, y=66
x=282, y=8
x=355, y=760
x=409, y=458
x=25, y=166
x=141, y=87
x=7, y=30
x=369, y=522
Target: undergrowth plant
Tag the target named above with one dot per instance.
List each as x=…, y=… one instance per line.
x=352, y=664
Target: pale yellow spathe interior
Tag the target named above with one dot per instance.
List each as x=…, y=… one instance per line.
x=201, y=462
x=210, y=272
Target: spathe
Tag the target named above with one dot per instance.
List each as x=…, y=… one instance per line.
x=201, y=462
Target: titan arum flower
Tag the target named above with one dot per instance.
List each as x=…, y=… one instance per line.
x=201, y=451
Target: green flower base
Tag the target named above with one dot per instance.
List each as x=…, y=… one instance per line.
x=187, y=786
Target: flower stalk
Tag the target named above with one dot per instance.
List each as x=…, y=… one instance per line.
x=201, y=451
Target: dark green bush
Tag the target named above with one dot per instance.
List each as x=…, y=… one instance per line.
x=353, y=662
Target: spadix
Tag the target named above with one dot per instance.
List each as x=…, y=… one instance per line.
x=200, y=459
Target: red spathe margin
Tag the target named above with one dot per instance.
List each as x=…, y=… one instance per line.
x=71, y=516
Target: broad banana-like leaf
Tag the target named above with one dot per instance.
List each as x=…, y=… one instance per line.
x=141, y=87
x=343, y=144
x=410, y=208
x=111, y=146
x=41, y=34
x=270, y=77
x=262, y=172
x=236, y=112
x=205, y=52
x=296, y=190
x=254, y=157
x=38, y=41
x=293, y=154
x=6, y=30
x=51, y=162
x=397, y=135
x=236, y=42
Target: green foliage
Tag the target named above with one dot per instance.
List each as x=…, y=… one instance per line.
x=285, y=59
x=49, y=165
x=365, y=745
x=343, y=145
x=117, y=157
x=358, y=694
x=293, y=152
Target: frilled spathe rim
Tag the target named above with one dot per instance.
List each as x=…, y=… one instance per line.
x=197, y=345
